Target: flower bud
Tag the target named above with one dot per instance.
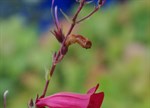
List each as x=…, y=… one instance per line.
x=64, y=50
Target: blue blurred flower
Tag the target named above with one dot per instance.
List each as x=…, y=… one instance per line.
x=38, y=11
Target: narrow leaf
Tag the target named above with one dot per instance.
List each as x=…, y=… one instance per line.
x=66, y=16
x=47, y=76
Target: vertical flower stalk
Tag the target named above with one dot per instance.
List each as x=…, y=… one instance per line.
x=61, y=100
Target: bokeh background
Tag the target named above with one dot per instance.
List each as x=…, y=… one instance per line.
x=119, y=59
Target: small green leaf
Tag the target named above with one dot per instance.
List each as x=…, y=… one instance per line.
x=66, y=16
x=47, y=76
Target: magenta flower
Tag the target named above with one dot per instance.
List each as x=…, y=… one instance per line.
x=72, y=100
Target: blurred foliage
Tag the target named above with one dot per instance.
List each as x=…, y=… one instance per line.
x=119, y=58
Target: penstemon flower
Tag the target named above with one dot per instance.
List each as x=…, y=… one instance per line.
x=68, y=99
x=72, y=100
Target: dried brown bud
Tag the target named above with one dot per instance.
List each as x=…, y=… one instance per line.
x=81, y=40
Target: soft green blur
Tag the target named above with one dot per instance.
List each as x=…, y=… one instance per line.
x=119, y=58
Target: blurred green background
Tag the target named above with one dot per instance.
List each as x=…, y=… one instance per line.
x=119, y=59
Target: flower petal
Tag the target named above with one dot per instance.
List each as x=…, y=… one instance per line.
x=96, y=100
x=72, y=100
x=65, y=100
x=93, y=90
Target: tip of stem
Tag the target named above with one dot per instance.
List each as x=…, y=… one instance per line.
x=5, y=93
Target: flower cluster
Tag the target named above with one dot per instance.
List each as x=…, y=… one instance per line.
x=68, y=99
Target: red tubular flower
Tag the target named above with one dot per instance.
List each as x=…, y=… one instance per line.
x=72, y=100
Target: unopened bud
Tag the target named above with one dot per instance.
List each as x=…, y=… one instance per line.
x=64, y=50
x=31, y=103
